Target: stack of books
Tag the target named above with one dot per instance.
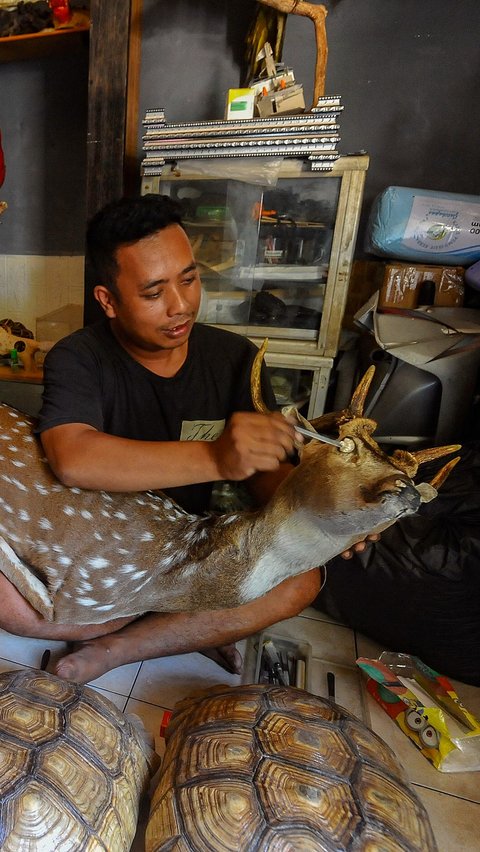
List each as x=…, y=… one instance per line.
x=312, y=136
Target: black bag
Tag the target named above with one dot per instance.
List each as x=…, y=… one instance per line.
x=417, y=590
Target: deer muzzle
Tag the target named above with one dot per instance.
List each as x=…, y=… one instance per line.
x=405, y=494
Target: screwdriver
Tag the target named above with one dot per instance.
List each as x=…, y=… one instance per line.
x=317, y=436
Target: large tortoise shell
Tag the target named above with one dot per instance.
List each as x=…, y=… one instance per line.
x=72, y=767
x=275, y=768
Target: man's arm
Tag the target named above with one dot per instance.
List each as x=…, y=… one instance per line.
x=84, y=457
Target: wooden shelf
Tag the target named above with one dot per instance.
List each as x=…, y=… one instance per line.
x=45, y=43
x=35, y=375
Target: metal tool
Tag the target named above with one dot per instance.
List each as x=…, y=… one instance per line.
x=331, y=685
x=317, y=437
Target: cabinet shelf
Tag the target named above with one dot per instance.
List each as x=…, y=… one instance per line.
x=284, y=276
x=44, y=43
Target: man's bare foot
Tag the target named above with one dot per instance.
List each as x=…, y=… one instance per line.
x=227, y=656
x=89, y=660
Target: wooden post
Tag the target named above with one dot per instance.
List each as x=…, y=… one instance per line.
x=112, y=109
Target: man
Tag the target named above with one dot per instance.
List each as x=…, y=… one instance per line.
x=125, y=402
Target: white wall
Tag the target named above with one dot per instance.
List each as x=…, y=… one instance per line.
x=34, y=285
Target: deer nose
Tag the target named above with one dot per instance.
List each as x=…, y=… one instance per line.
x=396, y=483
x=390, y=485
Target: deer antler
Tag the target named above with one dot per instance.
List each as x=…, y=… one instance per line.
x=317, y=14
x=255, y=381
x=407, y=461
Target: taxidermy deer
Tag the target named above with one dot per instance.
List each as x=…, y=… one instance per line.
x=86, y=557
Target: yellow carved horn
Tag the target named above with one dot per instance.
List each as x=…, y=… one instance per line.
x=360, y=393
x=442, y=474
x=422, y=456
x=354, y=409
x=255, y=380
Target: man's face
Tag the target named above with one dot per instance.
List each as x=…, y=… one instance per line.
x=158, y=291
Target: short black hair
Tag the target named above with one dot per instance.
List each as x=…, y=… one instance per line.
x=121, y=222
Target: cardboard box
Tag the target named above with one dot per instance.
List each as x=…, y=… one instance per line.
x=59, y=323
x=289, y=101
x=406, y=286
x=366, y=278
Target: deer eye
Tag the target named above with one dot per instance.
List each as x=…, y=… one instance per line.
x=347, y=445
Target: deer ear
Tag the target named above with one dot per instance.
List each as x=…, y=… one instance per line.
x=293, y=414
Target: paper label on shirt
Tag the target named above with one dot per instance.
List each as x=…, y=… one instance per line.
x=201, y=430
x=440, y=224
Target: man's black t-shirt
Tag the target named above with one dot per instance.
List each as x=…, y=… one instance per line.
x=90, y=378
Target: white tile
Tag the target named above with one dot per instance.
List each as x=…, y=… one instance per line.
x=119, y=700
x=348, y=687
x=8, y=666
x=167, y=680
x=419, y=770
x=119, y=680
x=455, y=823
x=28, y=652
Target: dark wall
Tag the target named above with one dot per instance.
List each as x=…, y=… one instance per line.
x=407, y=71
x=192, y=53
x=43, y=122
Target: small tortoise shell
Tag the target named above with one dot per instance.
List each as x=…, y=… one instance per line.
x=72, y=767
x=275, y=768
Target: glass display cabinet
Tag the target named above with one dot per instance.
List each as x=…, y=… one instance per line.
x=275, y=259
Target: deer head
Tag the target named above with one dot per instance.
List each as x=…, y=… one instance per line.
x=354, y=489
x=87, y=557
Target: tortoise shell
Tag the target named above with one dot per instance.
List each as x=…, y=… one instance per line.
x=72, y=767
x=266, y=767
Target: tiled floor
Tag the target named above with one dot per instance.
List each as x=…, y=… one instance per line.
x=149, y=688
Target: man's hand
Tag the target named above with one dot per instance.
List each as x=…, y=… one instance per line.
x=360, y=546
x=253, y=442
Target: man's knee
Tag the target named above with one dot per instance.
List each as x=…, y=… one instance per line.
x=17, y=624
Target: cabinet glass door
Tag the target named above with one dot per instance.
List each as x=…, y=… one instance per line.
x=263, y=252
